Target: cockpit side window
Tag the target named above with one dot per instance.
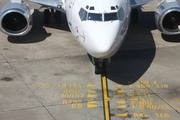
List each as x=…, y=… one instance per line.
x=110, y=16
x=121, y=13
x=83, y=14
x=95, y=16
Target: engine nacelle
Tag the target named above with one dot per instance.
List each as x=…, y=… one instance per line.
x=167, y=17
x=15, y=18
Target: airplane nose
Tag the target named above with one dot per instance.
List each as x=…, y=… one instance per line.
x=102, y=39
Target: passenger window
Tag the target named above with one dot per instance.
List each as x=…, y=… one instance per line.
x=95, y=16
x=110, y=16
x=121, y=13
x=83, y=14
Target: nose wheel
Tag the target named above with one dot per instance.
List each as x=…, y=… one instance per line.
x=100, y=67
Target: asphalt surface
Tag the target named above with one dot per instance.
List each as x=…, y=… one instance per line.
x=46, y=75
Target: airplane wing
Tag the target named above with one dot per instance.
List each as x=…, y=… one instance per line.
x=55, y=4
x=136, y=3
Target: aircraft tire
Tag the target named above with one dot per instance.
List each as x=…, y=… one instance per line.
x=58, y=17
x=134, y=15
x=47, y=16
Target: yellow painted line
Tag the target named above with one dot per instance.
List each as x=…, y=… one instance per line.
x=105, y=97
x=120, y=91
x=133, y=99
x=92, y=104
x=120, y=95
x=122, y=115
x=121, y=107
x=121, y=102
x=91, y=95
x=91, y=91
x=91, y=85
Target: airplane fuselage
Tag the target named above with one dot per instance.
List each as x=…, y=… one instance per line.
x=99, y=26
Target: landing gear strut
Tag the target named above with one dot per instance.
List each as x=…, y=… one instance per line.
x=100, y=67
x=48, y=15
x=58, y=17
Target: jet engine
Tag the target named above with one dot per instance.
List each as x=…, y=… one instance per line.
x=15, y=18
x=167, y=17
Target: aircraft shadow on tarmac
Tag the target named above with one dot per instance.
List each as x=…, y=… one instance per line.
x=171, y=38
x=136, y=53
x=38, y=33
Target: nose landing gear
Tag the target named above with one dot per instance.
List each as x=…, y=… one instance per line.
x=100, y=67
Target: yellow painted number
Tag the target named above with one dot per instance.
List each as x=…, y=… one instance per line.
x=162, y=115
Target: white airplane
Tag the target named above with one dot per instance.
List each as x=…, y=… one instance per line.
x=99, y=26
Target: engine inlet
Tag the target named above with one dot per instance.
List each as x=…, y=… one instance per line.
x=14, y=22
x=172, y=20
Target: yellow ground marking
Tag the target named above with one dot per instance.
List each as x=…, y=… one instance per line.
x=92, y=104
x=121, y=107
x=91, y=91
x=120, y=91
x=133, y=99
x=120, y=95
x=122, y=115
x=121, y=102
x=105, y=97
x=91, y=95
x=91, y=85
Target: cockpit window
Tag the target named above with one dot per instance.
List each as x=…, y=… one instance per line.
x=95, y=16
x=110, y=16
x=83, y=14
x=91, y=8
x=121, y=13
x=113, y=8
